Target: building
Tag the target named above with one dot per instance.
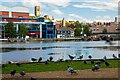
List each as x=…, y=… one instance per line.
x=116, y=19
x=14, y=14
x=64, y=33
x=111, y=27
x=48, y=30
x=37, y=11
x=63, y=23
x=58, y=25
x=37, y=27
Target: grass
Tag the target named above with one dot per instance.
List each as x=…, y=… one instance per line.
x=52, y=66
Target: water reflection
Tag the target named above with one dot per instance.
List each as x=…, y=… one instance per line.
x=58, y=50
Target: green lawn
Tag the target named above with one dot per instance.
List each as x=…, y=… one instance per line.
x=52, y=66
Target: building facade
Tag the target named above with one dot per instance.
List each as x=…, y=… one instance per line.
x=112, y=29
x=64, y=33
x=37, y=27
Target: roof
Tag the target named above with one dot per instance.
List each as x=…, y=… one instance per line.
x=65, y=29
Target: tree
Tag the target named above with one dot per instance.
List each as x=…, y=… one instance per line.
x=86, y=30
x=10, y=30
x=78, y=25
x=22, y=30
x=104, y=30
x=77, y=32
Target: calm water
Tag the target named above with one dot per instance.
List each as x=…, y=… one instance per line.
x=57, y=50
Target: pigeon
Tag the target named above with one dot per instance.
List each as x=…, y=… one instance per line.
x=92, y=62
x=9, y=62
x=71, y=57
x=80, y=57
x=40, y=59
x=33, y=59
x=13, y=72
x=18, y=64
x=114, y=56
x=46, y=62
x=32, y=78
x=22, y=73
x=51, y=58
x=90, y=56
x=106, y=63
x=85, y=62
x=104, y=57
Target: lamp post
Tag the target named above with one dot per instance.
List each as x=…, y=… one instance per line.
x=4, y=32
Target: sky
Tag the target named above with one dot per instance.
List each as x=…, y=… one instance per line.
x=81, y=10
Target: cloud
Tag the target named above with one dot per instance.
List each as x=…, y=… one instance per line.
x=105, y=18
x=77, y=17
x=31, y=3
x=14, y=9
x=57, y=11
x=98, y=5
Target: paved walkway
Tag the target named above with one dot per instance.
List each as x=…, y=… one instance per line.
x=102, y=73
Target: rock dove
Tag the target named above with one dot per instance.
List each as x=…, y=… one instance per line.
x=13, y=72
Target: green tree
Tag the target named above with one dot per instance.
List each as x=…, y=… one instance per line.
x=86, y=30
x=77, y=32
x=22, y=30
x=78, y=28
x=10, y=30
x=104, y=30
x=78, y=25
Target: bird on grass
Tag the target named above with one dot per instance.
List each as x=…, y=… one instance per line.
x=33, y=59
x=18, y=64
x=92, y=62
x=114, y=56
x=9, y=62
x=46, y=62
x=22, y=73
x=40, y=59
x=3, y=66
x=71, y=57
x=12, y=72
x=90, y=56
x=104, y=57
x=50, y=58
x=106, y=63
x=85, y=62
x=119, y=55
x=80, y=57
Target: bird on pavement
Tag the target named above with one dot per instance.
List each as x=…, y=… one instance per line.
x=22, y=73
x=32, y=78
x=12, y=72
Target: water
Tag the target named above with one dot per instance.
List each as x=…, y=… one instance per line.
x=58, y=50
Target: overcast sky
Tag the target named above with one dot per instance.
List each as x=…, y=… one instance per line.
x=82, y=10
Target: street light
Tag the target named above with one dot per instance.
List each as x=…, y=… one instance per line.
x=4, y=32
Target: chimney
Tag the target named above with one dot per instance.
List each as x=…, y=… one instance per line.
x=116, y=19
